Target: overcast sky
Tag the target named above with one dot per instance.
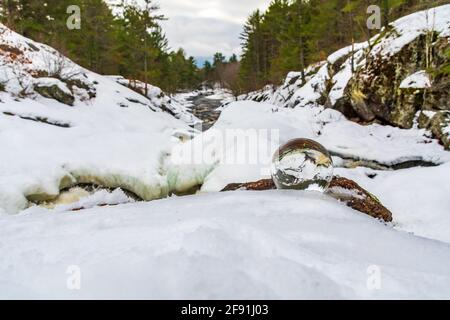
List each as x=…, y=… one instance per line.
x=203, y=27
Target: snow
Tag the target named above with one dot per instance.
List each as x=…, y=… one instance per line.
x=118, y=138
x=418, y=80
x=312, y=90
x=385, y=44
x=342, y=78
x=49, y=82
x=259, y=129
x=408, y=28
x=417, y=197
x=179, y=109
x=237, y=245
x=344, y=52
x=315, y=77
x=221, y=94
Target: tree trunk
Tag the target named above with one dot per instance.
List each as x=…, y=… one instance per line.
x=301, y=43
x=386, y=13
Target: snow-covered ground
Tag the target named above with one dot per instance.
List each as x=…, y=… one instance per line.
x=273, y=244
x=255, y=130
x=270, y=245
x=418, y=197
x=109, y=135
x=172, y=105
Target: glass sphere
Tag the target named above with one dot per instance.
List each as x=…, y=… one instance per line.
x=302, y=164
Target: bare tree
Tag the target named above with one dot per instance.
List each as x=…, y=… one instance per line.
x=58, y=66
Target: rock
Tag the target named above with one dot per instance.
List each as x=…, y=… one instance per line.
x=438, y=122
x=357, y=198
x=88, y=87
x=424, y=119
x=440, y=127
x=342, y=189
x=358, y=102
x=54, y=92
x=393, y=89
x=409, y=101
x=265, y=184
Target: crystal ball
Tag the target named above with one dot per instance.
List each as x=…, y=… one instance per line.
x=302, y=164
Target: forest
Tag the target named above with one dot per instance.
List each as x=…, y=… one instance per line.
x=291, y=35
x=128, y=40
x=122, y=40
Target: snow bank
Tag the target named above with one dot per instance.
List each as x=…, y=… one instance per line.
x=229, y=245
x=110, y=135
x=161, y=100
x=417, y=197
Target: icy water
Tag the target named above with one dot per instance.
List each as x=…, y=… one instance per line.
x=204, y=108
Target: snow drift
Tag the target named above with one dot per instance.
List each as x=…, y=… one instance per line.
x=237, y=245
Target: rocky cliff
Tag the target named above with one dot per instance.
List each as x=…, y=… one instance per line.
x=400, y=77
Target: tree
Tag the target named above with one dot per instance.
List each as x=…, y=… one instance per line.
x=218, y=59
x=350, y=9
x=233, y=58
x=251, y=46
x=388, y=6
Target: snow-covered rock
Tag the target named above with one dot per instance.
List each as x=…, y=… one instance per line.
x=282, y=96
x=417, y=197
x=388, y=83
x=107, y=135
x=240, y=146
x=391, y=85
x=160, y=99
x=418, y=80
x=239, y=149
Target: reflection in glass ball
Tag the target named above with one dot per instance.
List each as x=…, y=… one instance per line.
x=302, y=164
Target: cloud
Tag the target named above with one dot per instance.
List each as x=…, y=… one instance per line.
x=203, y=27
x=203, y=36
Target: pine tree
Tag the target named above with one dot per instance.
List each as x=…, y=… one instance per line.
x=233, y=58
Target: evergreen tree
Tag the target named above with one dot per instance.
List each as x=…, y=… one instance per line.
x=233, y=58
x=291, y=34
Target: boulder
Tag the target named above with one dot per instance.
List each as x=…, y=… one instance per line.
x=392, y=88
x=440, y=127
x=438, y=122
x=55, y=91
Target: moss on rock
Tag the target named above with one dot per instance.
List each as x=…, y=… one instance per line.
x=440, y=127
x=54, y=92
